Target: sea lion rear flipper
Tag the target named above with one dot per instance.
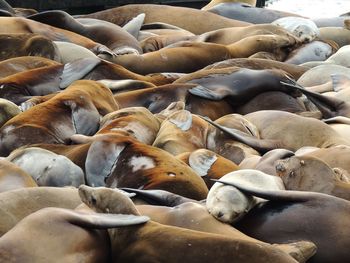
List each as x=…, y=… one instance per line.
x=300, y=251
x=133, y=27
x=340, y=82
x=100, y=161
x=275, y=195
x=104, y=221
x=5, y=6
x=159, y=197
x=77, y=70
x=211, y=93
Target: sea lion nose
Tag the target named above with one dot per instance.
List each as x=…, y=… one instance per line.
x=220, y=214
x=280, y=167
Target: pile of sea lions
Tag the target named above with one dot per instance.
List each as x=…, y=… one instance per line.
x=154, y=133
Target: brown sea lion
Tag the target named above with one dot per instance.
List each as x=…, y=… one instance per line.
x=62, y=234
x=75, y=110
x=23, y=25
x=26, y=44
x=126, y=162
x=146, y=242
x=108, y=34
x=295, y=215
x=182, y=17
x=339, y=35
x=13, y=177
x=307, y=173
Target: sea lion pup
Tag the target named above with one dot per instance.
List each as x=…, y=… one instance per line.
x=46, y=167
x=26, y=44
x=116, y=160
x=18, y=64
x=13, y=177
x=8, y=110
x=75, y=110
x=247, y=13
x=63, y=235
x=227, y=204
x=257, y=63
x=146, y=242
x=17, y=204
x=307, y=173
x=208, y=164
x=291, y=215
x=108, y=34
x=182, y=17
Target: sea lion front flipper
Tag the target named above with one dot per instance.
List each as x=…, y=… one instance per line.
x=133, y=27
x=77, y=70
x=104, y=221
x=301, y=251
x=101, y=158
x=273, y=195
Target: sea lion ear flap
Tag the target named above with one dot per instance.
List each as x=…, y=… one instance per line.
x=133, y=27
x=100, y=162
x=76, y=70
x=104, y=221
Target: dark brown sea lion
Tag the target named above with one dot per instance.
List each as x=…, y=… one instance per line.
x=62, y=235
x=182, y=17
x=108, y=34
x=294, y=215
x=146, y=242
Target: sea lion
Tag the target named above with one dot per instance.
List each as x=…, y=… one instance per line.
x=307, y=173
x=158, y=99
x=13, y=177
x=46, y=167
x=108, y=34
x=179, y=16
x=244, y=12
x=18, y=203
x=208, y=164
x=314, y=51
x=227, y=204
x=303, y=28
x=121, y=161
x=195, y=216
x=23, y=25
x=187, y=57
x=151, y=236
x=77, y=109
x=291, y=215
x=62, y=234
x=15, y=65
x=26, y=44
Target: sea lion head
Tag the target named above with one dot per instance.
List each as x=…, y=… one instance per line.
x=107, y=200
